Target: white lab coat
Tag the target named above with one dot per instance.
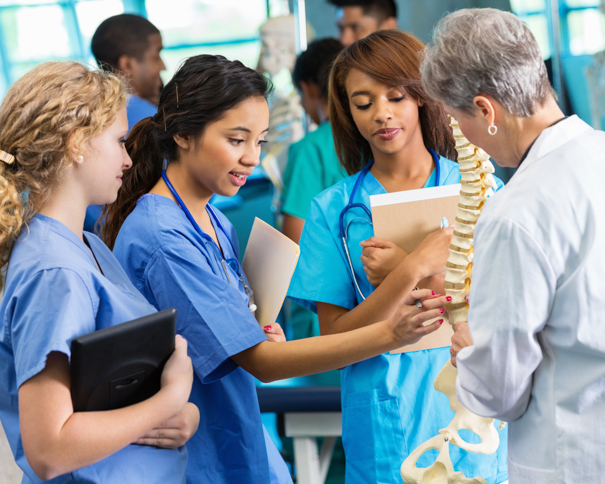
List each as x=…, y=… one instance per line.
x=537, y=311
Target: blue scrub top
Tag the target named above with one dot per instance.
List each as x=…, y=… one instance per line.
x=389, y=403
x=54, y=293
x=173, y=266
x=138, y=108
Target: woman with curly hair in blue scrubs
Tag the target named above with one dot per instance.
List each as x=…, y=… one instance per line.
x=62, y=129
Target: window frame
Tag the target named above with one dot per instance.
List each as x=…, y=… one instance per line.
x=81, y=52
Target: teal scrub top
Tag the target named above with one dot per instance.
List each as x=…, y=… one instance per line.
x=389, y=403
x=55, y=293
x=312, y=167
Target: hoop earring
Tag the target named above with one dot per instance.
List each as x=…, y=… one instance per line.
x=495, y=129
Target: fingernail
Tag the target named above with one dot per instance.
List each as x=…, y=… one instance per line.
x=268, y=328
x=442, y=310
x=449, y=298
x=433, y=292
x=441, y=321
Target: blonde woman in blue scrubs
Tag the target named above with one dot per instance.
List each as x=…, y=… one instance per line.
x=62, y=130
x=390, y=137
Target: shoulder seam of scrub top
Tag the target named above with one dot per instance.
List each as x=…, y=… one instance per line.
x=39, y=272
x=340, y=186
x=340, y=253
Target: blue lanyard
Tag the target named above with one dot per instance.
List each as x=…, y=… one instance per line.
x=358, y=183
x=232, y=263
x=196, y=226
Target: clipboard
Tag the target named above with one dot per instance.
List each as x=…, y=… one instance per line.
x=269, y=264
x=121, y=365
x=406, y=218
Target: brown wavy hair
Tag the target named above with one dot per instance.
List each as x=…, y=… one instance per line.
x=45, y=119
x=391, y=57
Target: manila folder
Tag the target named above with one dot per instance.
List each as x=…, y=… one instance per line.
x=269, y=264
x=406, y=218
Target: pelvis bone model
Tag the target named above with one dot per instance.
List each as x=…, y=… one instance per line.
x=477, y=183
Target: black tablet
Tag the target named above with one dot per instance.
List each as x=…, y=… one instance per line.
x=121, y=365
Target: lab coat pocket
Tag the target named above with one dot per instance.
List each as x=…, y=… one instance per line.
x=372, y=429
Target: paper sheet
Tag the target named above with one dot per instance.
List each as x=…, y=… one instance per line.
x=406, y=218
x=269, y=264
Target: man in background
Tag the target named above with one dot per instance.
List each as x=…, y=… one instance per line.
x=312, y=162
x=357, y=19
x=130, y=45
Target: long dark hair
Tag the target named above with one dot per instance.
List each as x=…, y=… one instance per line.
x=391, y=57
x=202, y=90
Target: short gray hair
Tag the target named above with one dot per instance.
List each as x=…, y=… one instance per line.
x=485, y=51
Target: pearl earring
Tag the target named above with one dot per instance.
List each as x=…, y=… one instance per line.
x=80, y=159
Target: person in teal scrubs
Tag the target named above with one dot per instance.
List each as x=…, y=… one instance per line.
x=390, y=137
x=312, y=162
x=62, y=130
x=181, y=252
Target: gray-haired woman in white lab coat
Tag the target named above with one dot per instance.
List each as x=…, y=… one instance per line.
x=535, y=354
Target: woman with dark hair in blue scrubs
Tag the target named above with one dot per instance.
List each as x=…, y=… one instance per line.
x=180, y=251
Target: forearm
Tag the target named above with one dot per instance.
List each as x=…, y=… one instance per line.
x=379, y=305
x=88, y=437
x=293, y=227
x=434, y=283
x=275, y=361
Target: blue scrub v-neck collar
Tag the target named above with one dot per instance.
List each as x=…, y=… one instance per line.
x=62, y=230
x=373, y=186
x=225, y=244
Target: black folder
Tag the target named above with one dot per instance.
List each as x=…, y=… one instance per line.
x=121, y=365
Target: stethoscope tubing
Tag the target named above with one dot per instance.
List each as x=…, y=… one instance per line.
x=350, y=205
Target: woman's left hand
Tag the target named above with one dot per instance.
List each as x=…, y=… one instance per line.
x=174, y=432
x=275, y=333
x=379, y=258
x=460, y=339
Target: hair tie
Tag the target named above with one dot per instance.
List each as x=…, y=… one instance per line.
x=6, y=157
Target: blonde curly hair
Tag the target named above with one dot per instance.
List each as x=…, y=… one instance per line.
x=45, y=119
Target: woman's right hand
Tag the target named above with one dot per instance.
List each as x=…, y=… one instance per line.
x=432, y=253
x=178, y=372
x=407, y=321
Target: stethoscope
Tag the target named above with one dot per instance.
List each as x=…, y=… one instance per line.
x=351, y=205
x=232, y=263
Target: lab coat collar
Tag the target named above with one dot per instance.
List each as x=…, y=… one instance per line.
x=553, y=138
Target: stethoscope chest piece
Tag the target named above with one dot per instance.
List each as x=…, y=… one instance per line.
x=344, y=228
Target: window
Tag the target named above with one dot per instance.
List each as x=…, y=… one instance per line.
x=34, y=31
x=208, y=27
x=582, y=25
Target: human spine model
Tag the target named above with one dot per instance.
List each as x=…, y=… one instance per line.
x=477, y=183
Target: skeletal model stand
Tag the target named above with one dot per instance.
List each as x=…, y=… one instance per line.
x=477, y=185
